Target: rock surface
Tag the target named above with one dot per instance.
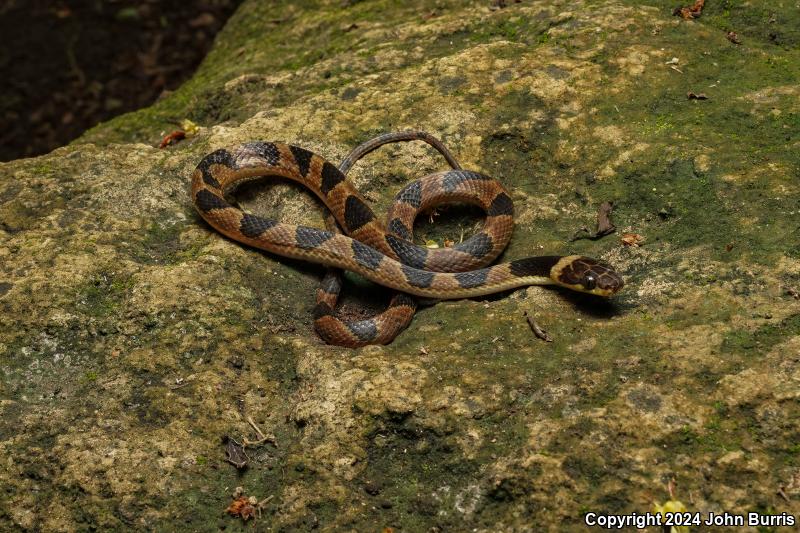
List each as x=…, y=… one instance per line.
x=133, y=338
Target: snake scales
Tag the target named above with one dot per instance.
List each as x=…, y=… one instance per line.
x=383, y=254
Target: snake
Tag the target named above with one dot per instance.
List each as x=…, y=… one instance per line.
x=384, y=253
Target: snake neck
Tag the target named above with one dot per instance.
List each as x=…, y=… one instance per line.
x=536, y=267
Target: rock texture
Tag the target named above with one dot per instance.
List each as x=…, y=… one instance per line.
x=133, y=338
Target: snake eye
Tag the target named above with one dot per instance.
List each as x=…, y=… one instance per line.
x=589, y=282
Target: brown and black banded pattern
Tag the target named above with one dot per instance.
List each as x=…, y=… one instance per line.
x=387, y=257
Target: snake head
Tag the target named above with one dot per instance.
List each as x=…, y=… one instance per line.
x=585, y=274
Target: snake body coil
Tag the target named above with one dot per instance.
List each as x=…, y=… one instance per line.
x=384, y=256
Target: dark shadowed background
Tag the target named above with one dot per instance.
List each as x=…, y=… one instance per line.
x=66, y=66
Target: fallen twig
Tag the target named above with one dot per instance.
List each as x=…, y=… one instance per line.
x=537, y=330
x=261, y=437
x=262, y=503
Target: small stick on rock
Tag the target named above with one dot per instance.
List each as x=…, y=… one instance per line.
x=538, y=331
x=263, y=503
x=261, y=437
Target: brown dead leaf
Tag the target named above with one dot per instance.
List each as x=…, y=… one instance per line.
x=234, y=453
x=172, y=138
x=242, y=507
x=604, y=224
x=733, y=37
x=632, y=239
x=689, y=13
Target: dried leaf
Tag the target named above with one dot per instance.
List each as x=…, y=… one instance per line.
x=172, y=138
x=632, y=239
x=689, y=13
x=604, y=224
x=234, y=453
x=242, y=507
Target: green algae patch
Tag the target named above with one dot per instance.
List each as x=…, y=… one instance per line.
x=764, y=338
x=103, y=294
